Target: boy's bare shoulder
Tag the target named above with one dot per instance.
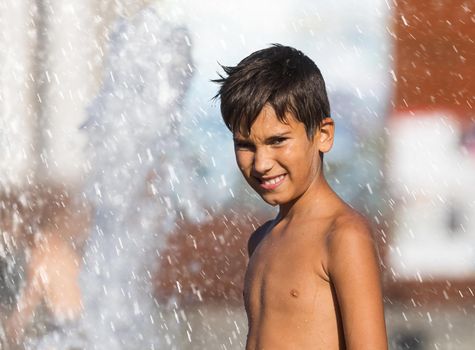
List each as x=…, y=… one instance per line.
x=350, y=245
x=257, y=236
x=350, y=230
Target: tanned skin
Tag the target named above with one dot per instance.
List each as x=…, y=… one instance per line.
x=52, y=274
x=313, y=279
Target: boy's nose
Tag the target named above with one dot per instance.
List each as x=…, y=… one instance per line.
x=262, y=162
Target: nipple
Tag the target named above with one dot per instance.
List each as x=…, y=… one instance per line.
x=294, y=293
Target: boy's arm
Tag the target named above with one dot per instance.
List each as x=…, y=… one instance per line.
x=256, y=237
x=353, y=268
x=30, y=297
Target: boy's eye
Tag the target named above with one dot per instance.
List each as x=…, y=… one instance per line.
x=243, y=145
x=277, y=140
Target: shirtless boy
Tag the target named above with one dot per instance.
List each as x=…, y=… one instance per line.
x=313, y=279
x=50, y=296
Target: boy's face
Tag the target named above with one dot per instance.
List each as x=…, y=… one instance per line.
x=278, y=160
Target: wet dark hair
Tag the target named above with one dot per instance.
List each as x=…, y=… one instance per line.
x=280, y=76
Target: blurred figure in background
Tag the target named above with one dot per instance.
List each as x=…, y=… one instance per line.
x=43, y=229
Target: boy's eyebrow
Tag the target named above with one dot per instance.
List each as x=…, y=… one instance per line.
x=269, y=138
x=282, y=134
x=277, y=136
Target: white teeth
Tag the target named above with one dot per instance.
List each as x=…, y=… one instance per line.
x=274, y=180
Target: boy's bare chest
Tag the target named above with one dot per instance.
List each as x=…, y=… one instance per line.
x=285, y=275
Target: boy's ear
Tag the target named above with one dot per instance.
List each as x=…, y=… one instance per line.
x=325, y=134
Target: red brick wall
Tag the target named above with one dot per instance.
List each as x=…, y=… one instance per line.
x=206, y=262
x=435, y=55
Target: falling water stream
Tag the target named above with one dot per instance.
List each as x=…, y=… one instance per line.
x=139, y=179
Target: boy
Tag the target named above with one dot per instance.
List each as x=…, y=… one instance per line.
x=43, y=227
x=312, y=280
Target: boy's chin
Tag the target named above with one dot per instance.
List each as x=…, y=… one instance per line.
x=271, y=200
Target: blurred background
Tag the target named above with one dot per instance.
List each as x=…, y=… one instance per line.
x=124, y=220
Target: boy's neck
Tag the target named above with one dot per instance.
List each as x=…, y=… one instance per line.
x=313, y=199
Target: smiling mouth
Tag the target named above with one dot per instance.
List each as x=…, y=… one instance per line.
x=271, y=183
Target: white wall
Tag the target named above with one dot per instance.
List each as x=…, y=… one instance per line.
x=431, y=178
